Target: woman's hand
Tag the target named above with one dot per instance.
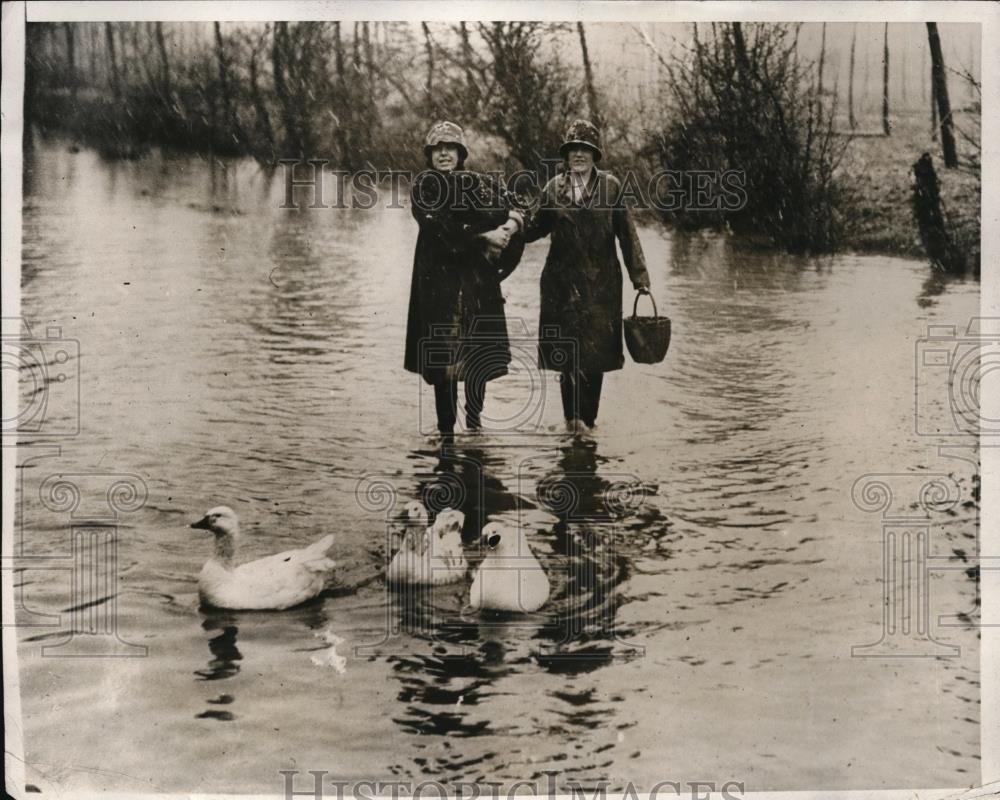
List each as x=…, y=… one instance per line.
x=498, y=237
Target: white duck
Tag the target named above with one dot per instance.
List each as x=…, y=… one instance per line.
x=415, y=516
x=411, y=523
x=432, y=556
x=510, y=577
x=272, y=583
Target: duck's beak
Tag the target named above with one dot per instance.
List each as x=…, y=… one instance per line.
x=202, y=524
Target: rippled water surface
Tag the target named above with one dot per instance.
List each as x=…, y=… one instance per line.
x=710, y=571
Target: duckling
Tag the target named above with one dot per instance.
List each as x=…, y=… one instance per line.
x=273, y=583
x=510, y=577
x=434, y=556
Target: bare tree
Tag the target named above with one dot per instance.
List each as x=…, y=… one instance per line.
x=940, y=82
x=429, y=82
x=161, y=46
x=114, y=77
x=263, y=118
x=740, y=46
x=595, y=113
x=885, y=79
x=530, y=96
x=369, y=58
x=70, y=57
x=344, y=122
x=94, y=39
x=850, y=80
x=741, y=99
x=470, y=80
x=903, y=75
x=229, y=118
x=279, y=47
x=822, y=58
x=934, y=115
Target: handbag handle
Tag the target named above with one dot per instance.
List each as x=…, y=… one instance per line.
x=635, y=305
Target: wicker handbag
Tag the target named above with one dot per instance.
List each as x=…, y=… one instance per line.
x=647, y=338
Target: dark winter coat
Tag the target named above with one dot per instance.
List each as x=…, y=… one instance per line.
x=456, y=327
x=581, y=299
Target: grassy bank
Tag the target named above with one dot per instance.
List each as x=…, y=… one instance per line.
x=876, y=178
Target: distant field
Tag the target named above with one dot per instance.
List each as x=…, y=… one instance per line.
x=877, y=174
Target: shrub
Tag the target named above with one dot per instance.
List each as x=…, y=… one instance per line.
x=740, y=99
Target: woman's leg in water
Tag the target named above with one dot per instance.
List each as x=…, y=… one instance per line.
x=568, y=390
x=590, y=396
x=475, y=398
x=446, y=404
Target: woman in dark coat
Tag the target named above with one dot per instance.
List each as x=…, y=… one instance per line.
x=582, y=279
x=470, y=240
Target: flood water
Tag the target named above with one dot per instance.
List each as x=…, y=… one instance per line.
x=710, y=569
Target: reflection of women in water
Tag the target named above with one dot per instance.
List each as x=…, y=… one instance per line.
x=470, y=240
x=582, y=282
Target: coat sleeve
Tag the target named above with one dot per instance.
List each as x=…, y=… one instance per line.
x=628, y=240
x=521, y=209
x=542, y=217
x=434, y=217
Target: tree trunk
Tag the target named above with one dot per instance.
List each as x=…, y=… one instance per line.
x=369, y=56
x=902, y=74
x=338, y=50
x=934, y=119
x=429, y=86
x=970, y=90
x=930, y=220
x=70, y=58
x=822, y=58
x=114, y=77
x=260, y=108
x=866, y=81
x=850, y=80
x=940, y=82
x=344, y=141
x=293, y=139
x=94, y=44
x=740, y=45
x=231, y=135
x=885, y=79
x=136, y=58
x=595, y=112
x=470, y=81
x=161, y=46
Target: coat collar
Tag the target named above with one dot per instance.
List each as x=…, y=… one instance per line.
x=565, y=187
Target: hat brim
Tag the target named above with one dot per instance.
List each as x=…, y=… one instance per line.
x=577, y=143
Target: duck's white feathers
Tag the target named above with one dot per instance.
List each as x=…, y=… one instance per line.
x=511, y=578
x=275, y=583
x=432, y=556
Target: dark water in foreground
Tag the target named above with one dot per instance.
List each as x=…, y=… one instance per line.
x=701, y=624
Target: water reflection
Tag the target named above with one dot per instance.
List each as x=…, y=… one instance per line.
x=226, y=656
x=575, y=510
x=592, y=504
